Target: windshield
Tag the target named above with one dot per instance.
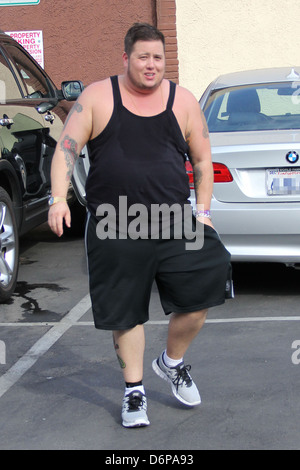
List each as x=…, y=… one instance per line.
x=257, y=107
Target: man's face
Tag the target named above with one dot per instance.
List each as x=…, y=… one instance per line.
x=145, y=66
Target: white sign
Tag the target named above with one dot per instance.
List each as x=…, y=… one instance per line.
x=11, y=3
x=32, y=41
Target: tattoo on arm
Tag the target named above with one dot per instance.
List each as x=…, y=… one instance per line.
x=76, y=108
x=197, y=178
x=187, y=138
x=70, y=148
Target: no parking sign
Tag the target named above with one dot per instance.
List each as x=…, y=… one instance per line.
x=32, y=41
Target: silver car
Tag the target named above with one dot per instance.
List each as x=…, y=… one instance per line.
x=254, y=123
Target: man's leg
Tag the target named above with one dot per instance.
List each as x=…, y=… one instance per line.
x=130, y=347
x=183, y=328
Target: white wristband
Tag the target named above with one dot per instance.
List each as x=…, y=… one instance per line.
x=202, y=214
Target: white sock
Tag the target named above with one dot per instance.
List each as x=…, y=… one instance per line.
x=169, y=361
x=139, y=388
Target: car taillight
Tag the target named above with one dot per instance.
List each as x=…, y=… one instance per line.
x=221, y=173
x=189, y=171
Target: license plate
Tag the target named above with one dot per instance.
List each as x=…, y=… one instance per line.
x=283, y=181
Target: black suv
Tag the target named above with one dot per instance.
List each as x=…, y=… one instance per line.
x=32, y=114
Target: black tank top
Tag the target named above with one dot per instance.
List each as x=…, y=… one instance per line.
x=142, y=158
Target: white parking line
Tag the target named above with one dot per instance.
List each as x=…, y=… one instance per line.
x=43, y=345
x=161, y=322
x=212, y=320
x=234, y=320
x=58, y=329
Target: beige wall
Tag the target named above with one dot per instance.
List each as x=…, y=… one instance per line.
x=219, y=36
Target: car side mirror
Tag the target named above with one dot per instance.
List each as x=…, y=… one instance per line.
x=72, y=89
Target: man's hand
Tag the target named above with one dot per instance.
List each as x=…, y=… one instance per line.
x=206, y=221
x=58, y=213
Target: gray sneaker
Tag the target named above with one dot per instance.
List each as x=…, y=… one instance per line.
x=134, y=410
x=181, y=382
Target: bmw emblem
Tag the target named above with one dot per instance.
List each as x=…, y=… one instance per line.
x=292, y=157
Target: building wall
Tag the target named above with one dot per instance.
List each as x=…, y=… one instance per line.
x=166, y=22
x=82, y=39
x=216, y=37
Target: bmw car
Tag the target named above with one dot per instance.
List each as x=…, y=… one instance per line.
x=254, y=123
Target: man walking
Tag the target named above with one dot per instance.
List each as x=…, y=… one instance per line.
x=139, y=127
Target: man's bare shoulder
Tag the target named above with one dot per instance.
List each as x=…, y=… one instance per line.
x=98, y=89
x=97, y=101
x=188, y=112
x=184, y=96
x=186, y=107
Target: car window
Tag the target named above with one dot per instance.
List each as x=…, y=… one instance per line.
x=9, y=87
x=259, y=107
x=35, y=82
x=274, y=104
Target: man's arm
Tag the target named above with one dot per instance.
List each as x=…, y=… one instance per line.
x=197, y=137
x=76, y=133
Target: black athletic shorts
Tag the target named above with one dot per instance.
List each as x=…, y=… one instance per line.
x=122, y=272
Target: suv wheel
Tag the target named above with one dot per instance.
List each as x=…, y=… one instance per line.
x=9, y=247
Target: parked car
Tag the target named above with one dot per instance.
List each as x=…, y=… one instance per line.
x=254, y=123
x=32, y=115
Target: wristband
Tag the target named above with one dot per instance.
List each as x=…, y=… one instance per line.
x=202, y=214
x=54, y=200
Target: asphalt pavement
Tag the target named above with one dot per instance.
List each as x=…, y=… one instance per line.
x=61, y=387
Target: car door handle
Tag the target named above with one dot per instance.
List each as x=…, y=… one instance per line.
x=6, y=121
x=49, y=117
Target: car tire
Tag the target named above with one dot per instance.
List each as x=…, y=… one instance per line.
x=9, y=247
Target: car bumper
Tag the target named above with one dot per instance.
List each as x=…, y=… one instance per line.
x=258, y=231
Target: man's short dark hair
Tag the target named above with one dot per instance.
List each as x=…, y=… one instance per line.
x=142, y=32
